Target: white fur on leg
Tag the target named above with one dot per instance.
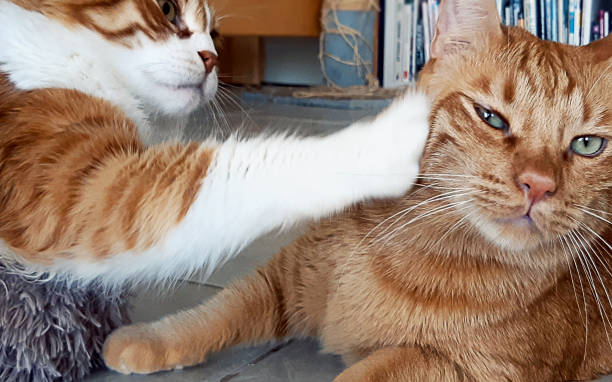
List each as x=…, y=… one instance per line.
x=255, y=186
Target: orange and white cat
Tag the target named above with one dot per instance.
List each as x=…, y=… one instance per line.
x=85, y=197
x=496, y=269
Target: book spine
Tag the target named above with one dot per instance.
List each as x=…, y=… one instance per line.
x=548, y=15
x=587, y=10
x=561, y=21
x=426, y=30
x=595, y=32
x=437, y=9
x=430, y=16
x=542, y=10
x=578, y=22
x=574, y=22
x=601, y=23
x=415, y=26
x=606, y=24
x=530, y=14
x=407, y=41
x=500, y=8
x=389, y=44
x=399, y=23
x=507, y=16
x=420, y=55
x=516, y=11
x=554, y=22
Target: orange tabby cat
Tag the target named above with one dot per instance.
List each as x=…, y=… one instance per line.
x=85, y=196
x=496, y=269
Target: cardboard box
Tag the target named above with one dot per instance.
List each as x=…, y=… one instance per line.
x=269, y=17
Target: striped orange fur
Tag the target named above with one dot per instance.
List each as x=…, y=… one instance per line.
x=470, y=277
x=122, y=19
x=77, y=180
x=86, y=196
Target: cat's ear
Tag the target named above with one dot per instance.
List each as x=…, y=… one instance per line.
x=465, y=25
x=601, y=49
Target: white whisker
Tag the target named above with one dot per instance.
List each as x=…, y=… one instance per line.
x=586, y=312
x=443, y=208
x=437, y=198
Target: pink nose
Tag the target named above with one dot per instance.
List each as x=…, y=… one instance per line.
x=537, y=185
x=209, y=59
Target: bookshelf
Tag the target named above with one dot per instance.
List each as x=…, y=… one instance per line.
x=409, y=27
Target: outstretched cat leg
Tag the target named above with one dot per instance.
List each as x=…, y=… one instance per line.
x=83, y=197
x=402, y=364
x=252, y=310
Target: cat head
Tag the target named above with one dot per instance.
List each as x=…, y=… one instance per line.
x=520, y=129
x=162, y=50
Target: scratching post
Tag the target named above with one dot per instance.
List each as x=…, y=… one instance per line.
x=348, y=43
x=348, y=52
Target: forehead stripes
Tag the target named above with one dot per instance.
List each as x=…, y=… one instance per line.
x=122, y=19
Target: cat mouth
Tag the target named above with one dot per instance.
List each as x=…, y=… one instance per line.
x=521, y=222
x=196, y=86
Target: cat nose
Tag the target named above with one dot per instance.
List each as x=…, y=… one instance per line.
x=209, y=59
x=537, y=185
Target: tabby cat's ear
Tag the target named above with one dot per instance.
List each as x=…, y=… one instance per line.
x=465, y=25
x=602, y=49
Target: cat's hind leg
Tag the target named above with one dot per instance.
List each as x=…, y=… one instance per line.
x=250, y=311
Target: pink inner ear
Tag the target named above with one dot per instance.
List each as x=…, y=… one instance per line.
x=462, y=23
x=445, y=22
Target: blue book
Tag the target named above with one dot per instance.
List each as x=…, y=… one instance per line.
x=516, y=11
x=562, y=21
x=572, y=22
x=542, y=11
x=555, y=23
x=548, y=15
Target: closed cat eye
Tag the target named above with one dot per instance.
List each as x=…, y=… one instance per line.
x=168, y=8
x=491, y=118
x=588, y=146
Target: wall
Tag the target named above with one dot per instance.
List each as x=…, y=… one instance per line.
x=292, y=61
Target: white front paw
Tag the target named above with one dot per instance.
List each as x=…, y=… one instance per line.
x=397, y=139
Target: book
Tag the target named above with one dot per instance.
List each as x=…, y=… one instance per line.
x=420, y=51
x=500, y=8
x=388, y=17
x=399, y=46
x=562, y=21
x=426, y=29
x=548, y=17
x=587, y=10
x=433, y=18
x=542, y=18
x=553, y=25
x=516, y=11
x=415, y=28
x=407, y=74
x=410, y=27
x=530, y=13
x=574, y=22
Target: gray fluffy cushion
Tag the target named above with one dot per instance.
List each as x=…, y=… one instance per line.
x=51, y=330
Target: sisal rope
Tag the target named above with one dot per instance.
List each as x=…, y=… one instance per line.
x=351, y=37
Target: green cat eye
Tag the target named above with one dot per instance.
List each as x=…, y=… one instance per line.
x=588, y=146
x=491, y=118
x=169, y=9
